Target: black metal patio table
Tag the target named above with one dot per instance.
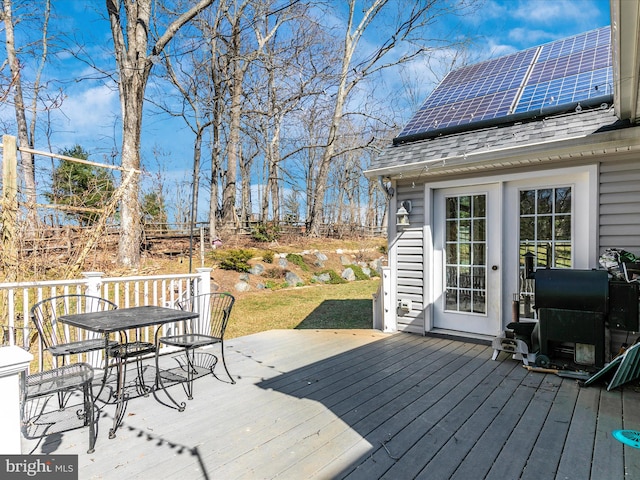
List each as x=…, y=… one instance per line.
x=121, y=321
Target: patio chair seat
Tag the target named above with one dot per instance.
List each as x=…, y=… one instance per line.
x=81, y=346
x=190, y=340
x=59, y=380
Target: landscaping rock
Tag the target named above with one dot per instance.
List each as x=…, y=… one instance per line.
x=321, y=257
x=282, y=262
x=348, y=275
x=244, y=277
x=257, y=269
x=376, y=265
x=242, y=287
x=366, y=271
x=324, y=277
x=345, y=260
x=292, y=279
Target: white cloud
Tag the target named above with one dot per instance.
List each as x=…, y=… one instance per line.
x=549, y=12
x=522, y=34
x=87, y=115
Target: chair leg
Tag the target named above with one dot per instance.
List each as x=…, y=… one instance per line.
x=141, y=387
x=159, y=385
x=190, y=354
x=89, y=415
x=224, y=364
x=121, y=398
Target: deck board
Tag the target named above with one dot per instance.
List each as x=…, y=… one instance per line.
x=363, y=405
x=482, y=455
x=607, y=454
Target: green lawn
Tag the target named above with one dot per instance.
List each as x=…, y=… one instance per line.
x=347, y=305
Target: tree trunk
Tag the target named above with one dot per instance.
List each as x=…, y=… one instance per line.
x=131, y=30
x=131, y=226
x=26, y=159
x=229, y=216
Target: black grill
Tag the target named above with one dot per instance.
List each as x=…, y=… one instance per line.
x=572, y=308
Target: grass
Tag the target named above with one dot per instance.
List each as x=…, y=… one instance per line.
x=320, y=306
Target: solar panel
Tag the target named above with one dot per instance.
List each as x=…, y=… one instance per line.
x=562, y=72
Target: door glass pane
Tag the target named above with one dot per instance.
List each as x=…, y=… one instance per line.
x=527, y=202
x=545, y=230
x=452, y=207
x=479, y=206
x=466, y=235
x=563, y=200
x=544, y=202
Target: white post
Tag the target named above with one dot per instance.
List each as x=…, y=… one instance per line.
x=204, y=287
x=204, y=282
x=389, y=312
x=13, y=362
x=94, y=282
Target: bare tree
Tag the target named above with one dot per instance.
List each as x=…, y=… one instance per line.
x=132, y=31
x=408, y=26
x=26, y=127
x=294, y=68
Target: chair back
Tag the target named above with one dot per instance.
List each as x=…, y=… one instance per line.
x=214, y=310
x=45, y=314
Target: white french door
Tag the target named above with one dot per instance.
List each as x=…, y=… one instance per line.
x=467, y=252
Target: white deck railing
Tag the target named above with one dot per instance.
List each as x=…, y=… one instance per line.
x=17, y=298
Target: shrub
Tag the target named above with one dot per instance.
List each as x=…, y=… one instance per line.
x=236, y=260
x=274, y=273
x=334, y=278
x=267, y=257
x=357, y=270
x=271, y=285
x=265, y=233
x=383, y=249
x=298, y=260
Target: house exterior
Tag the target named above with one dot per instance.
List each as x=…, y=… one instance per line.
x=561, y=183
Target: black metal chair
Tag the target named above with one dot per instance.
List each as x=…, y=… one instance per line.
x=208, y=329
x=65, y=379
x=62, y=340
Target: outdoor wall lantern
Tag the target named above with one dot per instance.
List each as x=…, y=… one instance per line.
x=402, y=215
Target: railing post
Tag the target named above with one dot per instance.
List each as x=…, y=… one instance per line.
x=204, y=281
x=389, y=313
x=13, y=362
x=93, y=283
x=9, y=208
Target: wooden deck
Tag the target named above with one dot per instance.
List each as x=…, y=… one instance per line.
x=366, y=405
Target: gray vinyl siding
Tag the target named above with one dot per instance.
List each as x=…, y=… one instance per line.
x=410, y=261
x=619, y=221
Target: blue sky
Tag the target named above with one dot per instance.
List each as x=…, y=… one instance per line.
x=90, y=112
x=512, y=25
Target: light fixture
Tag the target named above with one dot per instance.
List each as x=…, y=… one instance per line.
x=402, y=215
